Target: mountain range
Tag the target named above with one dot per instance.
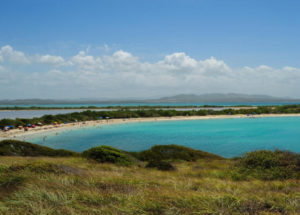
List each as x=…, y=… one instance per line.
x=182, y=98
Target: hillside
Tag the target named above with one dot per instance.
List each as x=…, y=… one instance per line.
x=189, y=98
x=224, y=98
x=201, y=185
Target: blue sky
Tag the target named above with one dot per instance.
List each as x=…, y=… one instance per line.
x=239, y=33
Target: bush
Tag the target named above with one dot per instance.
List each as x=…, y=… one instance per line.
x=160, y=165
x=174, y=152
x=107, y=154
x=36, y=167
x=269, y=165
x=20, y=148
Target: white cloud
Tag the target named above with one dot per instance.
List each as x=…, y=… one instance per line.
x=124, y=75
x=7, y=52
x=214, y=67
x=264, y=68
x=86, y=62
x=50, y=59
x=179, y=60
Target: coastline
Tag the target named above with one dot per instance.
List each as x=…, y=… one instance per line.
x=46, y=129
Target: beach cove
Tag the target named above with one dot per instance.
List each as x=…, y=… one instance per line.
x=43, y=130
x=226, y=135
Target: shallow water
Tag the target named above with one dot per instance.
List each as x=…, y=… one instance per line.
x=225, y=137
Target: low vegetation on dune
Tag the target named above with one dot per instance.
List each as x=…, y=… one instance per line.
x=107, y=154
x=269, y=165
x=160, y=165
x=174, y=152
x=21, y=148
x=98, y=182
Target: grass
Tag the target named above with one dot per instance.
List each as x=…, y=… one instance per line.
x=21, y=148
x=40, y=185
x=107, y=154
x=160, y=165
x=164, y=180
x=173, y=152
x=268, y=165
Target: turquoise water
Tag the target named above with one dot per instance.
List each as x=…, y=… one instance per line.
x=225, y=137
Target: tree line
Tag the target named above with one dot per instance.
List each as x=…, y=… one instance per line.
x=125, y=113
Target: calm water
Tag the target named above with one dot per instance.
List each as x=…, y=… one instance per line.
x=225, y=137
x=151, y=104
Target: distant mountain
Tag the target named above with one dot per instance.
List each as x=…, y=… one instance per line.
x=183, y=98
x=223, y=98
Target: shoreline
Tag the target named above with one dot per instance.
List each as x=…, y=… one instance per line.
x=46, y=129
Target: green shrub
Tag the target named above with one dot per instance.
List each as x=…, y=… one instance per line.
x=174, y=152
x=145, y=111
x=36, y=167
x=20, y=148
x=160, y=165
x=107, y=154
x=269, y=165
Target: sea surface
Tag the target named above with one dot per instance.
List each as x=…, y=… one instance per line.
x=150, y=104
x=225, y=137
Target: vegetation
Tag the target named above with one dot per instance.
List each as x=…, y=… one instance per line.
x=174, y=152
x=160, y=165
x=20, y=148
x=269, y=165
x=127, y=113
x=202, y=183
x=199, y=187
x=107, y=154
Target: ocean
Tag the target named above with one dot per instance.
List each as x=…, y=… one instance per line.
x=150, y=104
x=225, y=137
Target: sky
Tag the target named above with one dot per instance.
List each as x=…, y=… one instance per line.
x=148, y=48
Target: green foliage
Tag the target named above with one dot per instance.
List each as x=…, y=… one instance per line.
x=107, y=154
x=268, y=165
x=143, y=111
x=160, y=165
x=20, y=148
x=174, y=152
x=36, y=167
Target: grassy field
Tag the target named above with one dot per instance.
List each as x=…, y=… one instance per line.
x=75, y=185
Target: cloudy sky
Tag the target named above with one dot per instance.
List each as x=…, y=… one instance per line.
x=146, y=49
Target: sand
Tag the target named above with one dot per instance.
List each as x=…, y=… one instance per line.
x=44, y=130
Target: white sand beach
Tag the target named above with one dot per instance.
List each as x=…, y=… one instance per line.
x=45, y=129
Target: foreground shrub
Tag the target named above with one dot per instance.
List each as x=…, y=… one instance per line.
x=36, y=167
x=174, y=152
x=107, y=154
x=268, y=165
x=160, y=165
x=21, y=148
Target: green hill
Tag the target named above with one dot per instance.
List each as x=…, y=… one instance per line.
x=93, y=183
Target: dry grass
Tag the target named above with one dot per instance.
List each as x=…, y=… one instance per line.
x=201, y=187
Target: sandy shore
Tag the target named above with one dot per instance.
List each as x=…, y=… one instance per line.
x=44, y=130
